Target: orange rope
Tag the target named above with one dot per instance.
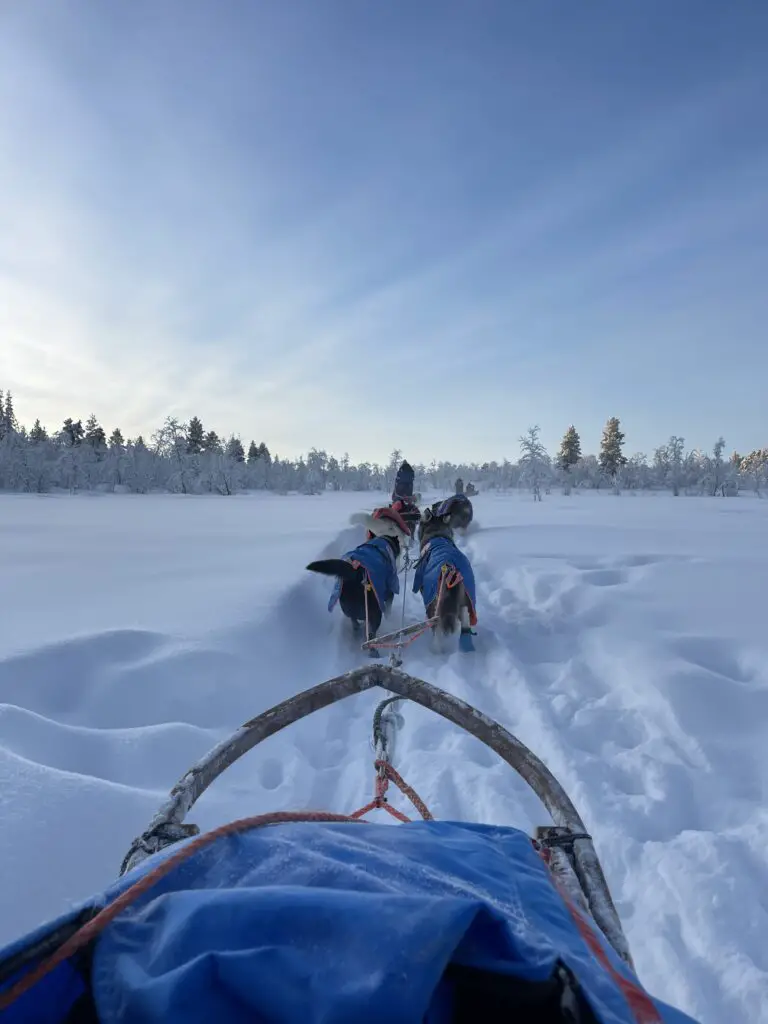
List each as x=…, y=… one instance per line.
x=387, y=773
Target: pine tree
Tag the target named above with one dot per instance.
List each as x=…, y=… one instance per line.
x=73, y=432
x=9, y=416
x=38, y=433
x=235, y=449
x=264, y=453
x=611, y=458
x=116, y=441
x=195, y=436
x=253, y=452
x=94, y=433
x=570, y=450
x=211, y=442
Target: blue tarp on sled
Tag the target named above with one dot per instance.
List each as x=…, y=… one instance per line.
x=338, y=923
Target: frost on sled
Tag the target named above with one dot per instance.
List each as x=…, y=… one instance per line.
x=294, y=918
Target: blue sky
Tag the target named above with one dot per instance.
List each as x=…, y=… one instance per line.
x=364, y=225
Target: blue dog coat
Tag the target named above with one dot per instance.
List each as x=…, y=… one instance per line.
x=379, y=561
x=438, y=552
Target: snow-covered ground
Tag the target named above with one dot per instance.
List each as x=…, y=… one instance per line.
x=624, y=639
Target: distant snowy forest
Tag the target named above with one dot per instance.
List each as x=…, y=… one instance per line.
x=186, y=458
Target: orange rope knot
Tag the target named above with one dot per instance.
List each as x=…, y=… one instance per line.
x=385, y=774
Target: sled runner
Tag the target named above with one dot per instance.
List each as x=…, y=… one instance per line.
x=318, y=916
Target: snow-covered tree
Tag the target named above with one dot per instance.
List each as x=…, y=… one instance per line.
x=170, y=439
x=212, y=443
x=116, y=441
x=38, y=433
x=534, y=462
x=674, y=449
x=611, y=457
x=717, y=467
x=79, y=458
x=235, y=450
x=195, y=436
x=570, y=450
x=568, y=456
x=754, y=469
x=72, y=432
x=94, y=433
x=8, y=416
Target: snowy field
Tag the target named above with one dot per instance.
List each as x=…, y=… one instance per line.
x=624, y=639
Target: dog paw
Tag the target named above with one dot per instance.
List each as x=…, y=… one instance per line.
x=466, y=643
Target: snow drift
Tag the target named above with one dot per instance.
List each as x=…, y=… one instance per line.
x=621, y=638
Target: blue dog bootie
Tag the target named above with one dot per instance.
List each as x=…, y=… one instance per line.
x=466, y=643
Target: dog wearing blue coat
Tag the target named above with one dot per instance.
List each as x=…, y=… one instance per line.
x=444, y=576
x=367, y=576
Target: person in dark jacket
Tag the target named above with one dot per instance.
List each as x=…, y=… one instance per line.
x=403, y=500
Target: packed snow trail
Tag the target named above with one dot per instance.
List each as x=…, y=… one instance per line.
x=622, y=639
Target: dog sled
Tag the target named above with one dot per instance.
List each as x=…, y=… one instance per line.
x=320, y=916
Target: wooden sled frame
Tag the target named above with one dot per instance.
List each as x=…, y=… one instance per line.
x=572, y=854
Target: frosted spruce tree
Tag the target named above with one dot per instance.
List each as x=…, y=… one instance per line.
x=94, y=434
x=235, y=450
x=38, y=433
x=568, y=456
x=195, y=436
x=8, y=422
x=611, y=457
x=116, y=440
x=212, y=443
x=534, y=462
x=72, y=432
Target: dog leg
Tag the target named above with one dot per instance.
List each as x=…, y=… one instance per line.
x=450, y=603
x=466, y=643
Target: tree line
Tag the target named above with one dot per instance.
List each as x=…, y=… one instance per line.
x=187, y=458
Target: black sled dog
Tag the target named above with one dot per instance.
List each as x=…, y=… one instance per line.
x=367, y=577
x=444, y=576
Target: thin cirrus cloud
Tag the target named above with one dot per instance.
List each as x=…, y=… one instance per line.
x=372, y=228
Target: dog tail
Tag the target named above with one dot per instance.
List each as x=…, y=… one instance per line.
x=335, y=567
